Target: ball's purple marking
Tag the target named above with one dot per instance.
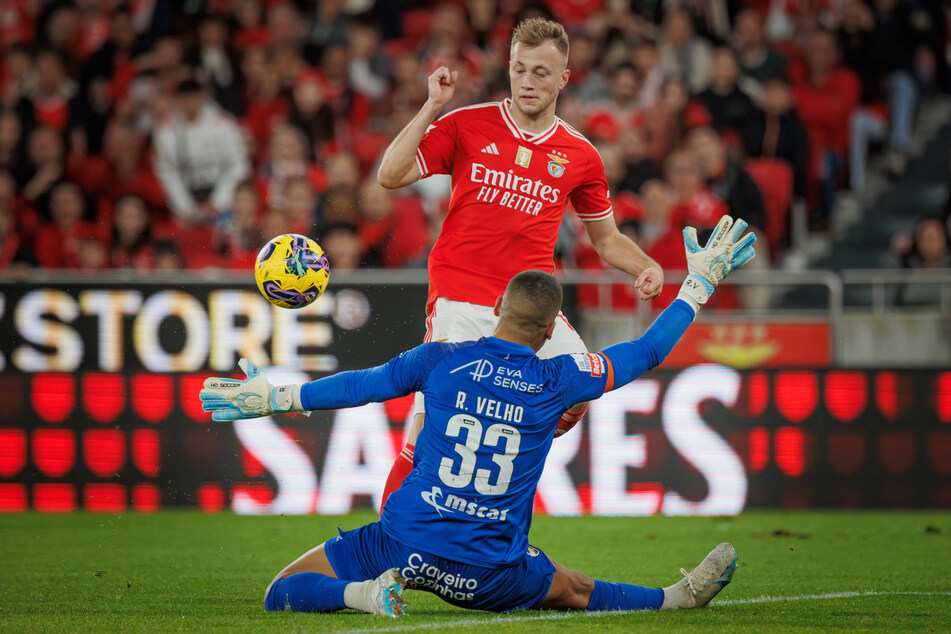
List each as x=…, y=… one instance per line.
x=294, y=298
x=267, y=251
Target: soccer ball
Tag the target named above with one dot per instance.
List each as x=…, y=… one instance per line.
x=291, y=271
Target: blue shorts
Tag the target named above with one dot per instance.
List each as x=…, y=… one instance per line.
x=366, y=552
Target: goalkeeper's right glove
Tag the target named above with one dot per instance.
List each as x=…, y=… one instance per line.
x=709, y=265
x=236, y=399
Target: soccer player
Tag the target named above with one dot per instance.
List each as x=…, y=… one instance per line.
x=514, y=167
x=458, y=526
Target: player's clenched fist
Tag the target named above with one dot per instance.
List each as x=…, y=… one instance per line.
x=650, y=282
x=442, y=85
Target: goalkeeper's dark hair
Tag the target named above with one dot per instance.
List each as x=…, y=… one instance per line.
x=532, y=300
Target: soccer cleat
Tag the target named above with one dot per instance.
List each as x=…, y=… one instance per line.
x=704, y=582
x=385, y=599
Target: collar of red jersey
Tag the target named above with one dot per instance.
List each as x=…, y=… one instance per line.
x=528, y=137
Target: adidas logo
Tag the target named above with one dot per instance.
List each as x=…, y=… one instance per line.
x=490, y=149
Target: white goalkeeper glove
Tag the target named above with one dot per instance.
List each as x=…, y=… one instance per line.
x=235, y=399
x=708, y=266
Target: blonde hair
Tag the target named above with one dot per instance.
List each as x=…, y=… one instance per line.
x=536, y=31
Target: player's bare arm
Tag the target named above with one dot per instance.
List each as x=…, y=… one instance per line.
x=398, y=166
x=623, y=254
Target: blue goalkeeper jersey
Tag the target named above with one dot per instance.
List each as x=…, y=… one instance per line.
x=492, y=407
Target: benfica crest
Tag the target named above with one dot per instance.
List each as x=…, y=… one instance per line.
x=556, y=166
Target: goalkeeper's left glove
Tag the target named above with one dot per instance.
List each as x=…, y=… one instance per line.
x=708, y=266
x=235, y=399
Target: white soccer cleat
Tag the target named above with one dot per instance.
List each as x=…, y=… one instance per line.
x=704, y=582
x=386, y=591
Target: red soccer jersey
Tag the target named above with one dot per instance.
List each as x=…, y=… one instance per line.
x=509, y=193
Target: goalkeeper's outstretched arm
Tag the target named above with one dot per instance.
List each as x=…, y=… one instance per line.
x=725, y=251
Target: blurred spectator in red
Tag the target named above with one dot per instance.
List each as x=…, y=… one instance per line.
x=408, y=91
x=113, y=60
x=200, y=157
x=251, y=31
x=729, y=107
x=275, y=223
x=683, y=53
x=131, y=172
x=666, y=122
x=491, y=26
x=351, y=109
x=299, y=205
x=16, y=75
x=91, y=255
x=727, y=179
x=826, y=93
x=288, y=157
x=655, y=221
x=263, y=102
x=646, y=59
x=42, y=170
x=588, y=82
x=163, y=65
x=17, y=24
x=343, y=171
x=11, y=140
x=57, y=242
x=693, y=203
x=13, y=251
x=168, y=256
x=132, y=246
x=449, y=45
x=329, y=28
x=605, y=119
x=288, y=34
x=47, y=103
x=775, y=131
x=758, y=61
x=311, y=110
x=639, y=167
x=393, y=233
x=89, y=114
x=60, y=30
x=341, y=243
x=371, y=71
x=237, y=233
x=216, y=63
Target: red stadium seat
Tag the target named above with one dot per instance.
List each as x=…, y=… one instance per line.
x=775, y=180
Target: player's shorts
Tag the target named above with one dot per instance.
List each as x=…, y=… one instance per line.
x=366, y=552
x=452, y=321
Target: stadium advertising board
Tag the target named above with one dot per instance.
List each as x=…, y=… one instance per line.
x=100, y=411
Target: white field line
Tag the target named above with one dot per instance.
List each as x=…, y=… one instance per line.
x=564, y=616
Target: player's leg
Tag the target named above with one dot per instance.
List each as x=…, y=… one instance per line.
x=571, y=589
x=565, y=340
x=449, y=321
x=311, y=583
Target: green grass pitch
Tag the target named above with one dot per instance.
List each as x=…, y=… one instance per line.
x=188, y=571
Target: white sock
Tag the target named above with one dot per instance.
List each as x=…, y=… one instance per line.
x=357, y=595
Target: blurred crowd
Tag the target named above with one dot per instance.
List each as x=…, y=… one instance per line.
x=152, y=134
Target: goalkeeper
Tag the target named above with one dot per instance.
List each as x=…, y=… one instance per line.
x=458, y=526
